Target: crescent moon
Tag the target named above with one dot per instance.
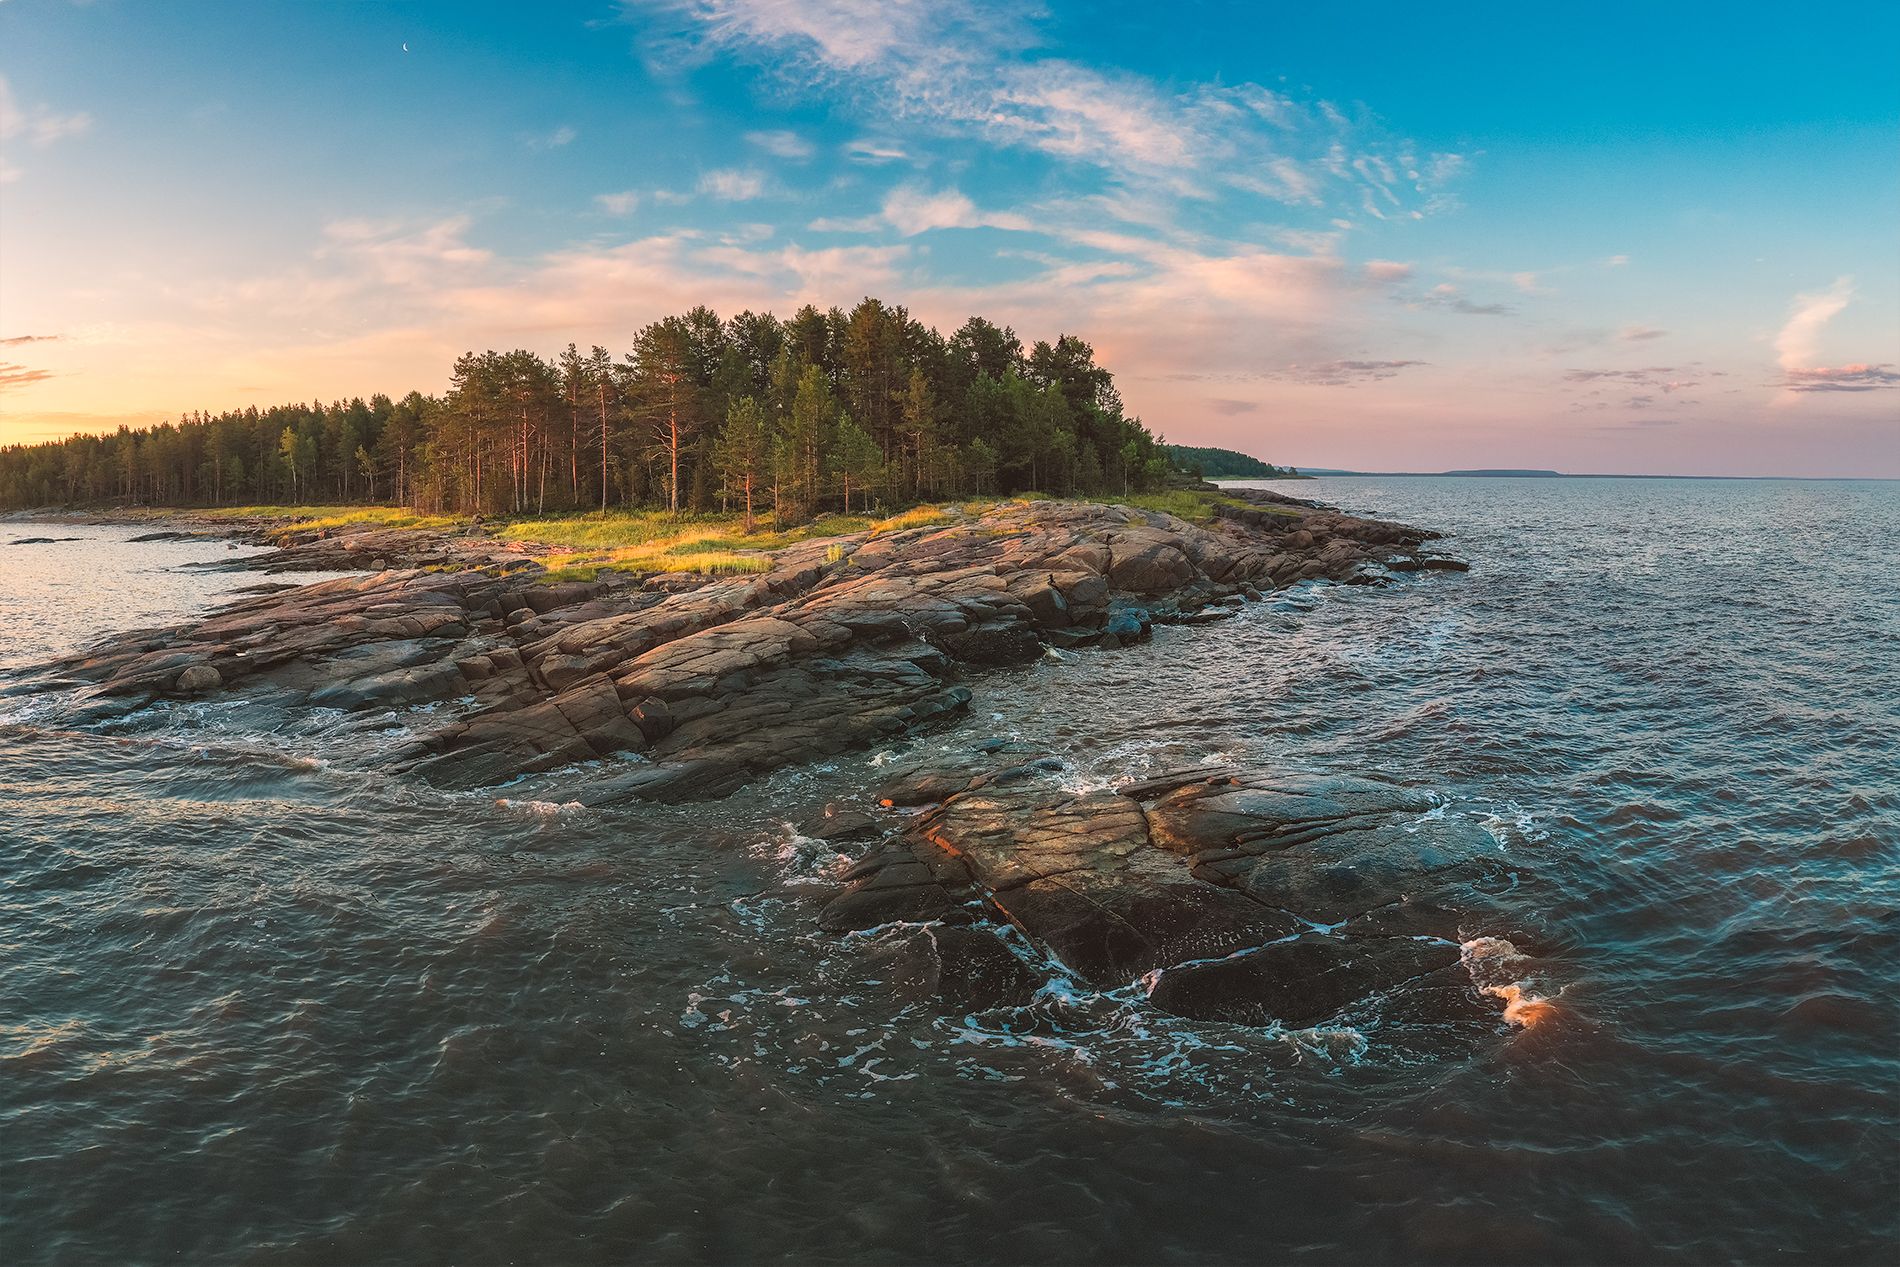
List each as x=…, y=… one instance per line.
x=405, y=48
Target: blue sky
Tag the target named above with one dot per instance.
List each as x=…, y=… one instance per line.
x=1648, y=238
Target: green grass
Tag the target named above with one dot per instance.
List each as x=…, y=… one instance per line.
x=920, y=517
x=302, y=518
x=1194, y=507
x=583, y=567
x=647, y=542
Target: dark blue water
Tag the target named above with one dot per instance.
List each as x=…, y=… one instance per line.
x=261, y=1003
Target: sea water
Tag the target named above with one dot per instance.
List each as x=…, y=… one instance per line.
x=261, y=1002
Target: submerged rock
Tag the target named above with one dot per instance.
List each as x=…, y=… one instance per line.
x=1252, y=898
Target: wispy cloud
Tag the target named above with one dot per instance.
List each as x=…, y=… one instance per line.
x=1643, y=387
x=1797, y=348
x=626, y=202
x=912, y=211
x=732, y=185
x=1346, y=373
x=1664, y=378
x=12, y=376
x=781, y=143
x=1798, y=343
x=1339, y=373
x=1640, y=334
x=557, y=139
x=393, y=252
x=846, y=224
x=39, y=126
x=978, y=68
x=1231, y=408
x=1451, y=299
x=1843, y=378
x=19, y=339
x=868, y=150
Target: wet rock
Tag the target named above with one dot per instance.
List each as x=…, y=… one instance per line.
x=396, y=686
x=1126, y=626
x=967, y=967
x=1297, y=982
x=891, y=887
x=1251, y=897
x=1160, y=785
x=1028, y=770
x=841, y=826
x=923, y=786
x=994, y=642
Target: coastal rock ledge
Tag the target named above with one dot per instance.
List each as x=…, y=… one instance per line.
x=700, y=684
x=1246, y=897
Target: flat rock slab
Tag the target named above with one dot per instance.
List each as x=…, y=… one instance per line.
x=1246, y=897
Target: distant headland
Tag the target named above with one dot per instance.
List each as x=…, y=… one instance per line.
x=1516, y=473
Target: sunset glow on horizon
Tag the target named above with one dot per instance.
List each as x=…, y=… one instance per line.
x=1351, y=237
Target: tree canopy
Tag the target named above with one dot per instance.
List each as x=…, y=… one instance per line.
x=1217, y=464
x=824, y=409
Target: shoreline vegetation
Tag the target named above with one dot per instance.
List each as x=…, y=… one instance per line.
x=849, y=412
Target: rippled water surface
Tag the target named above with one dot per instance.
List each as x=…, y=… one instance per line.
x=259, y=1005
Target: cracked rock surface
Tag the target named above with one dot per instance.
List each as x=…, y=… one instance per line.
x=1248, y=897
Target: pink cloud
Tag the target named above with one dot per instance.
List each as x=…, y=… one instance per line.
x=1843, y=378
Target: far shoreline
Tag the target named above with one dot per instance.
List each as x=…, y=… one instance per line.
x=1317, y=473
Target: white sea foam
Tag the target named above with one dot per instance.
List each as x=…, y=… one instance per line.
x=1498, y=969
x=540, y=809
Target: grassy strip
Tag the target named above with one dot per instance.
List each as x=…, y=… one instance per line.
x=1198, y=507
x=647, y=542
x=301, y=518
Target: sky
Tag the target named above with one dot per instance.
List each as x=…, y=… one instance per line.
x=1658, y=238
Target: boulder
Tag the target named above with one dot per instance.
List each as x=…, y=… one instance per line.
x=993, y=642
x=923, y=786
x=841, y=826
x=198, y=678
x=1146, y=563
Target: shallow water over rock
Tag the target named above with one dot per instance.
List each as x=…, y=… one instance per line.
x=263, y=1005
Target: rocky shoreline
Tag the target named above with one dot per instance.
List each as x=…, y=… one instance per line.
x=1243, y=896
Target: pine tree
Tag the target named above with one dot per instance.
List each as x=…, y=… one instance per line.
x=979, y=460
x=743, y=452
x=855, y=459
